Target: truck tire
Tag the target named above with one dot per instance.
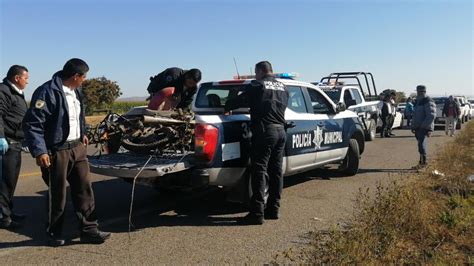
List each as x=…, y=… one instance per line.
x=350, y=165
x=458, y=124
x=370, y=135
x=249, y=193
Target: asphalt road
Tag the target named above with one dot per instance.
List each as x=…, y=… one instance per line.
x=201, y=227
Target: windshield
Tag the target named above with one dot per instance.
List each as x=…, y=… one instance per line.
x=214, y=96
x=440, y=100
x=334, y=94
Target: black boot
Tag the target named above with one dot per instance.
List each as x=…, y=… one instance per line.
x=423, y=160
x=94, y=237
x=55, y=240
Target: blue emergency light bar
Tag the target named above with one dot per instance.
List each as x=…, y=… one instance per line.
x=286, y=75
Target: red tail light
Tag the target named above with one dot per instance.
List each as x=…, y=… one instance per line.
x=205, y=140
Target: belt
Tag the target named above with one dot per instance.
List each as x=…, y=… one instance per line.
x=11, y=141
x=67, y=145
x=274, y=125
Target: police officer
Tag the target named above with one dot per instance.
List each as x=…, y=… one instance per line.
x=180, y=84
x=385, y=115
x=12, y=110
x=267, y=99
x=393, y=109
x=54, y=128
x=423, y=121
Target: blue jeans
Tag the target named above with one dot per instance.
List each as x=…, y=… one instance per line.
x=421, y=137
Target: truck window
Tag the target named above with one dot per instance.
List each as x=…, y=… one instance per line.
x=357, y=96
x=334, y=94
x=296, y=100
x=348, y=98
x=440, y=100
x=210, y=96
x=319, y=103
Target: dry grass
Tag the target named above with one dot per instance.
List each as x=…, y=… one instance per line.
x=94, y=119
x=428, y=219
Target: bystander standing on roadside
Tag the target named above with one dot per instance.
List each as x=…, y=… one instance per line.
x=423, y=121
x=451, y=111
x=408, y=111
x=12, y=110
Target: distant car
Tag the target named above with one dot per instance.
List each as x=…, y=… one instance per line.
x=465, y=108
x=401, y=107
x=471, y=102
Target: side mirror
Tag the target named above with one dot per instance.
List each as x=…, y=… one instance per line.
x=340, y=107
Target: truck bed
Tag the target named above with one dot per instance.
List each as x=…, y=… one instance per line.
x=127, y=164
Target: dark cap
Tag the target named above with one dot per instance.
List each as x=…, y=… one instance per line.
x=421, y=88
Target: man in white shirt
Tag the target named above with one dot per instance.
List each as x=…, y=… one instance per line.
x=54, y=128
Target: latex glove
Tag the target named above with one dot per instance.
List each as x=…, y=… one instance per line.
x=3, y=146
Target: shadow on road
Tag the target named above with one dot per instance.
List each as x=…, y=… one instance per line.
x=151, y=209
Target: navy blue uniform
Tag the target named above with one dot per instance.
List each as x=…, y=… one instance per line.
x=173, y=77
x=46, y=128
x=267, y=99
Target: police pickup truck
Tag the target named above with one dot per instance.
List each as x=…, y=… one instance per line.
x=365, y=105
x=320, y=132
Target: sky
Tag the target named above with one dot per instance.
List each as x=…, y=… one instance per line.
x=403, y=43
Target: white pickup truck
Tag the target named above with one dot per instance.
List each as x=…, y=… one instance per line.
x=366, y=106
x=465, y=108
x=319, y=132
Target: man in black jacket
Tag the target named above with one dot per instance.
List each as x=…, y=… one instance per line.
x=12, y=110
x=267, y=99
x=184, y=83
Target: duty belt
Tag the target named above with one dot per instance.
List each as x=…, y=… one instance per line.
x=274, y=125
x=68, y=145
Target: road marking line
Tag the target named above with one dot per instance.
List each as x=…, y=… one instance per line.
x=30, y=174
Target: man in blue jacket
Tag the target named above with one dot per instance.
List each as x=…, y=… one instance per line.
x=423, y=121
x=54, y=128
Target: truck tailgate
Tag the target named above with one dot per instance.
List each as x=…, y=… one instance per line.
x=127, y=165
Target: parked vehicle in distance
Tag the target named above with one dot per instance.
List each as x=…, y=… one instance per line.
x=471, y=103
x=401, y=107
x=360, y=96
x=440, y=120
x=465, y=108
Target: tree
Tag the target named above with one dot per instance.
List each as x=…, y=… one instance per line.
x=400, y=97
x=100, y=93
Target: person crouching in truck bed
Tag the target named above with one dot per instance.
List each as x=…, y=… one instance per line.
x=173, y=88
